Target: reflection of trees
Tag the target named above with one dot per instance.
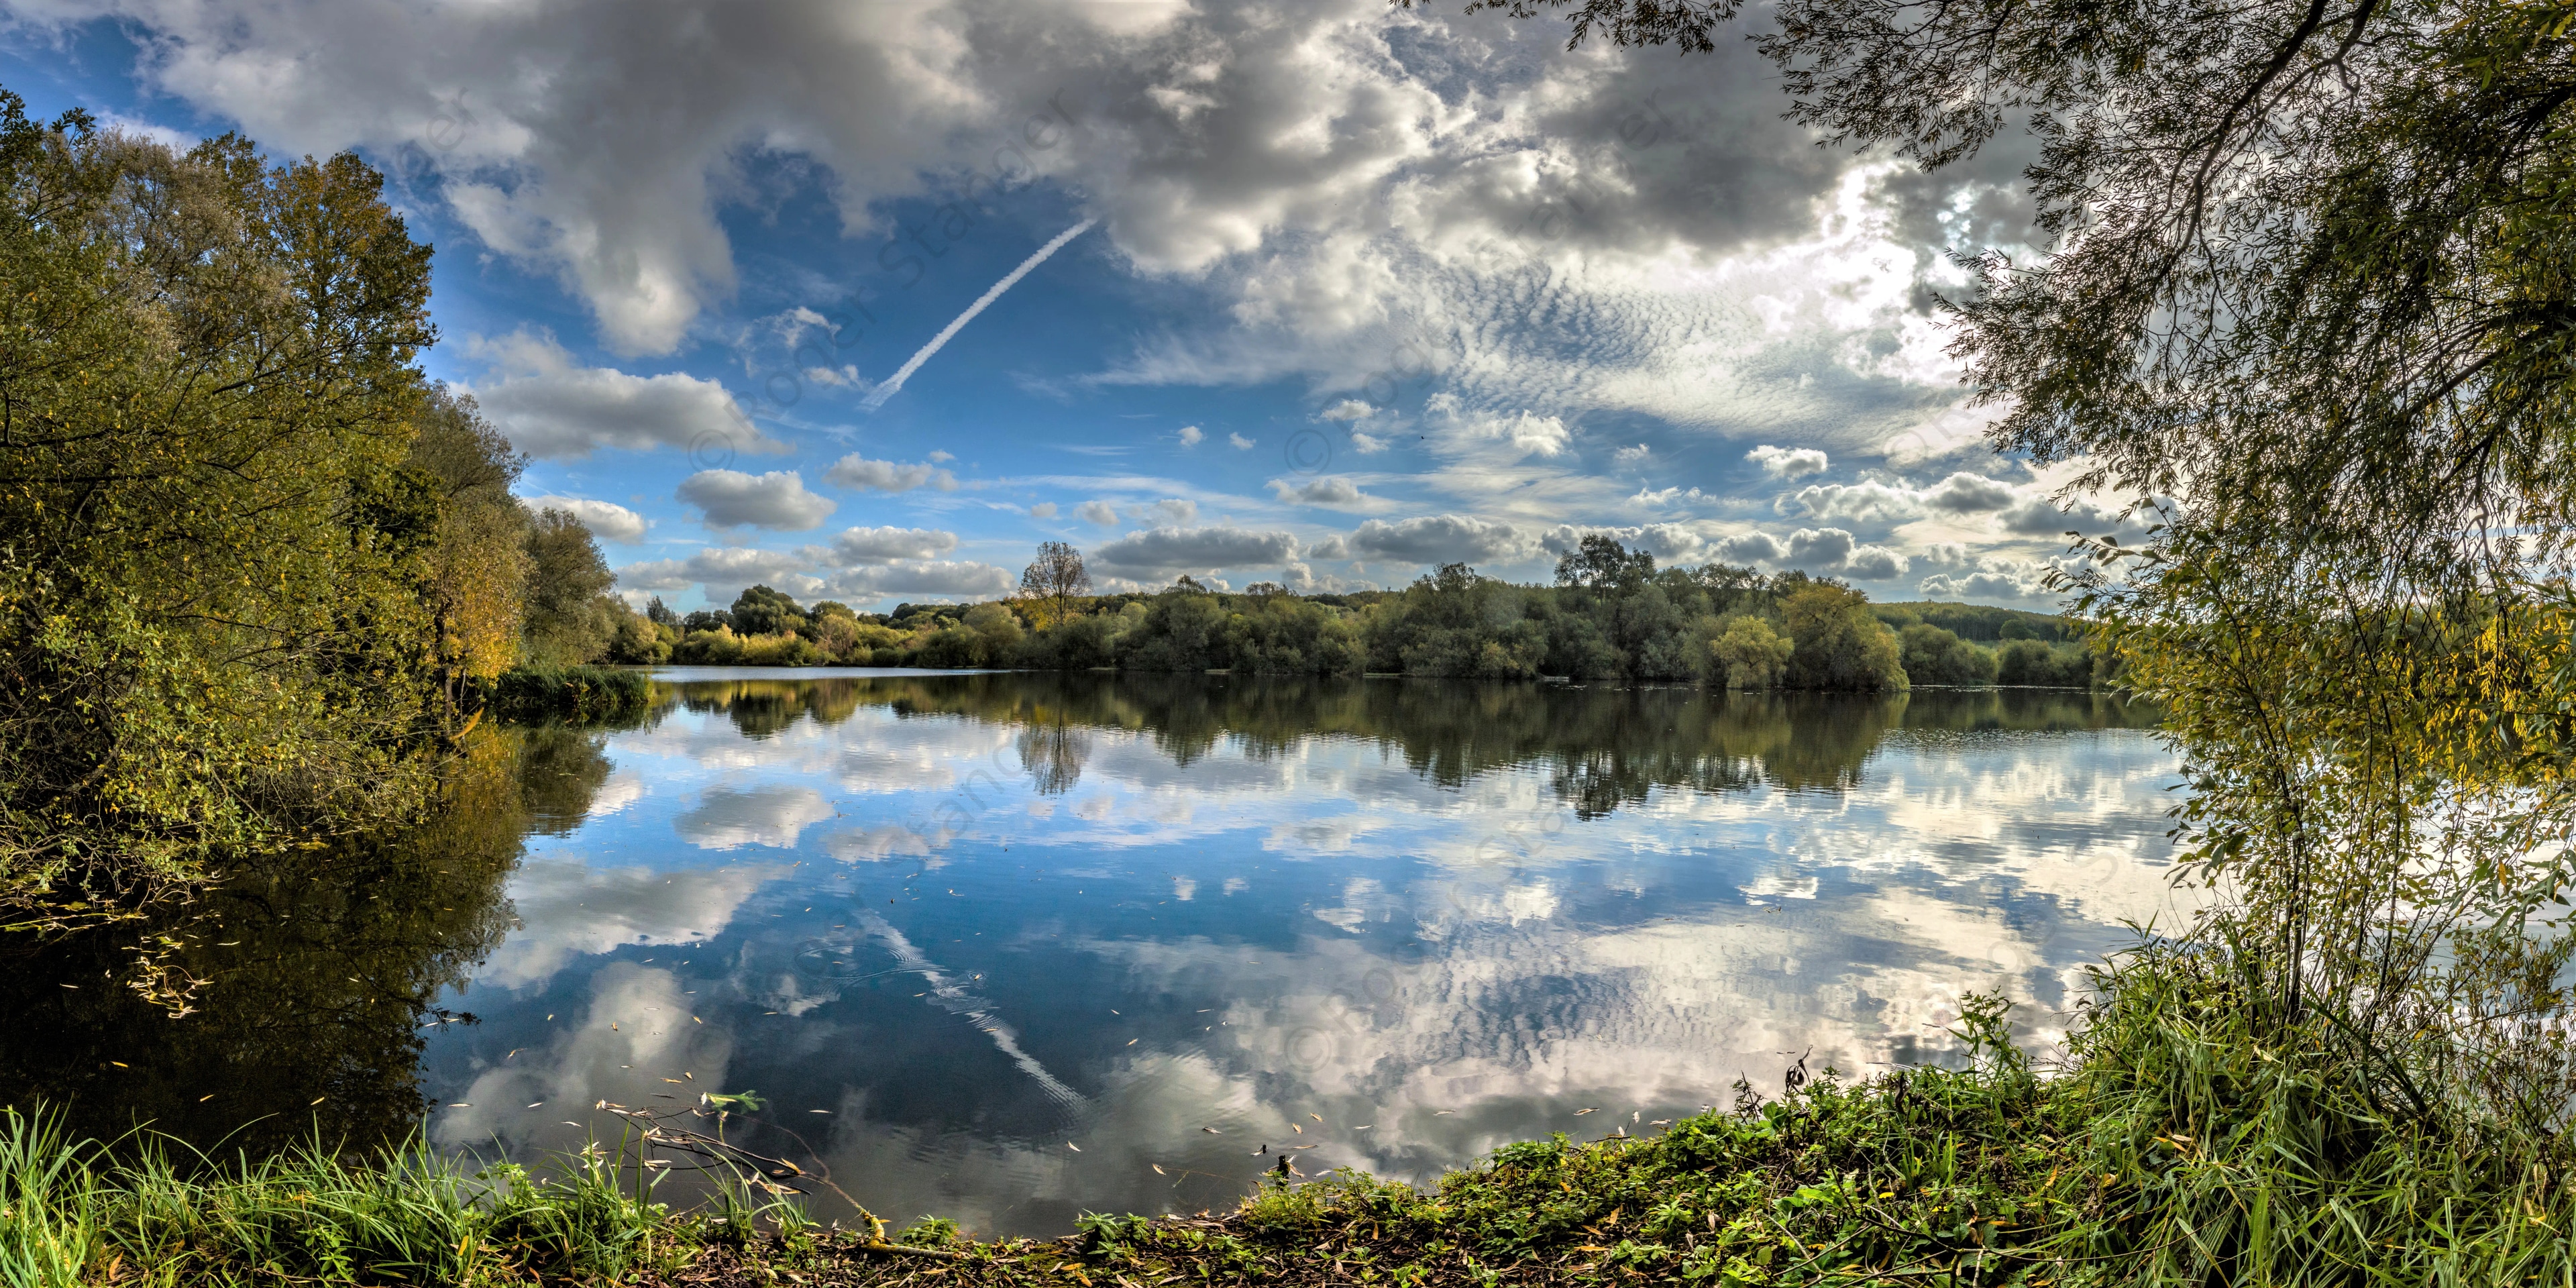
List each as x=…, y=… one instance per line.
x=320, y=970
x=1053, y=753
x=1605, y=745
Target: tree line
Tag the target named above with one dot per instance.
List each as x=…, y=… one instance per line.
x=1612, y=614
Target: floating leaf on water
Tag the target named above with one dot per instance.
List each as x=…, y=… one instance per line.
x=1581, y=1112
x=1071, y=1146
x=538, y=1105
x=1438, y=1112
x=1131, y=1041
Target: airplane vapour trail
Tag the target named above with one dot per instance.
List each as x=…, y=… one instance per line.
x=894, y=384
x=950, y=995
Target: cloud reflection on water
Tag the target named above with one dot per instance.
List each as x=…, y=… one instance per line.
x=1435, y=912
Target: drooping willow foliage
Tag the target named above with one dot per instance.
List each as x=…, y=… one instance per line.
x=2310, y=295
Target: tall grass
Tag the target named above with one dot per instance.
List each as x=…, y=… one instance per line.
x=149, y=1212
x=2190, y=1136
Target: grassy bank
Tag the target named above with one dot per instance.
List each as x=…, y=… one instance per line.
x=2177, y=1148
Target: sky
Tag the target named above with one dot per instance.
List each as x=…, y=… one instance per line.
x=865, y=300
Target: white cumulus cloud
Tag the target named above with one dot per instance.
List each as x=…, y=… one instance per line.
x=776, y=500
x=886, y=545
x=1157, y=554
x=606, y=520
x=1788, y=462
x=553, y=408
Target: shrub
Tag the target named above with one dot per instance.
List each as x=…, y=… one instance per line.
x=579, y=693
x=1749, y=655
x=1932, y=655
x=1838, y=643
x=2044, y=665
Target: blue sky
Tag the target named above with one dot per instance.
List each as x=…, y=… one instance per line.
x=1337, y=292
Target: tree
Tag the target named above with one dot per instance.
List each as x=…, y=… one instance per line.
x=1601, y=563
x=569, y=618
x=479, y=566
x=1051, y=581
x=1931, y=655
x=1837, y=643
x=2312, y=288
x=217, y=598
x=760, y=610
x=1749, y=655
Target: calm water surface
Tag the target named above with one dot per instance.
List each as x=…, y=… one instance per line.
x=1006, y=947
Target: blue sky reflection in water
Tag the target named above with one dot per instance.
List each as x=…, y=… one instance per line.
x=1024, y=938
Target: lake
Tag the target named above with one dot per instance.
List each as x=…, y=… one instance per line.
x=1007, y=947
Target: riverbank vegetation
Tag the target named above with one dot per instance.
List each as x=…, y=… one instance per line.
x=1612, y=615
x=2181, y=1144
x=258, y=570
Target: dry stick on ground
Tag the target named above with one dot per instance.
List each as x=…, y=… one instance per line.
x=777, y=1175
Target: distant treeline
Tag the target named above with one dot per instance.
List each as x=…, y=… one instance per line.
x=1613, y=615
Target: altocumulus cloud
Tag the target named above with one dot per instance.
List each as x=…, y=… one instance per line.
x=607, y=520
x=555, y=409
x=776, y=500
x=1156, y=553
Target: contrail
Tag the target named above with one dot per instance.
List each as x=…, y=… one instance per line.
x=949, y=995
x=894, y=384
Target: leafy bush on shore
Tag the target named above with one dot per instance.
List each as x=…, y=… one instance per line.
x=575, y=693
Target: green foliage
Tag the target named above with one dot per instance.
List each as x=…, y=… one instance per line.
x=1836, y=643
x=215, y=612
x=1931, y=655
x=574, y=693
x=569, y=617
x=2056, y=666
x=760, y=610
x=1979, y=623
x=1614, y=615
x=1749, y=655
